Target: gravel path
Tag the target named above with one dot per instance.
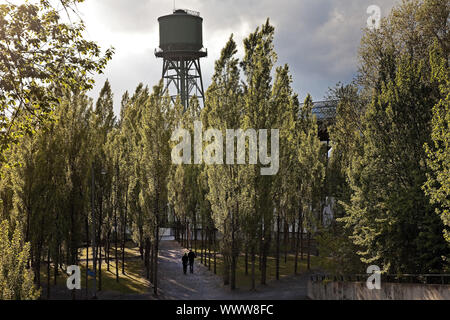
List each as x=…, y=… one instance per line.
x=204, y=285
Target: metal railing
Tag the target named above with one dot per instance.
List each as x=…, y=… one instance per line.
x=390, y=278
x=188, y=11
x=324, y=109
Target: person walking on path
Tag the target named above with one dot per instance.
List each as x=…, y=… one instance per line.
x=191, y=257
x=185, y=260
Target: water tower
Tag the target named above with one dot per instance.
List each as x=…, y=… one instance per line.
x=181, y=47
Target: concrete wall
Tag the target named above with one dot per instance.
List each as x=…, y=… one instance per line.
x=389, y=291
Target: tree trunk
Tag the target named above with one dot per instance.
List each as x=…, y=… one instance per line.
x=309, y=251
x=116, y=234
x=48, y=273
x=233, y=253
x=141, y=251
x=195, y=231
x=37, y=265
x=286, y=238
x=99, y=243
x=99, y=250
x=209, y=250
x=253, y=267
x=147, y=257
x=55, y=268
x=261, y=245
x=301, y=237
x=246, y=259
x=94, y=261
x=293, y=237
x=87, y=255
x=188, y=236
x=183, y=231
x=297, y=243
x=152, y=249
x=155, y=263
x=202, y=245
x=233, y=271
x=123, y=252
x=215, y=253
x=277, y=268
x=107, y=248
x=205, y=260
x=226, y=271
x=124, y=236
x=264, y=252
x=264, y=264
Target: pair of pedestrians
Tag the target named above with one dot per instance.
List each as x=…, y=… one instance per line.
x=188, y=258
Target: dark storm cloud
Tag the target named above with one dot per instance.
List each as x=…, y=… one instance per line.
x=317, y=38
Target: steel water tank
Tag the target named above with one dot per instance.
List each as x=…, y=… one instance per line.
x=181, y=31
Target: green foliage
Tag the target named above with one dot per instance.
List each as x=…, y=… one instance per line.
x=156, y=156
x=311, y=161
x=438, y=151
x=378, y=165
x=338, y=252
x=16, y=280
x=389, y=145
x=244, y=203
x=392, y=220
x=223, y=111
x=132, y=135
x=40, y=55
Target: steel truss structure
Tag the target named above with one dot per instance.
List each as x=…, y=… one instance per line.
x=182, y=75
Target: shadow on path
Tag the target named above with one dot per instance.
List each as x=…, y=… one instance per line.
x=205, y=285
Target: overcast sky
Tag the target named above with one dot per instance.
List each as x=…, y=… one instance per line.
x=319, y=39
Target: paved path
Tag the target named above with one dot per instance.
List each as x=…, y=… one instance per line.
x=204, y=285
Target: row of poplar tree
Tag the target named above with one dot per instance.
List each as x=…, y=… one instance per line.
x=85, y=175
x=389, y=172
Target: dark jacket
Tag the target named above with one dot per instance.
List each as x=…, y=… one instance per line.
x=185, y=260
x=191, y=256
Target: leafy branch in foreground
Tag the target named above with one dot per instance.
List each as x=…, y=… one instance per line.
x=16, y=281
x=40, y=54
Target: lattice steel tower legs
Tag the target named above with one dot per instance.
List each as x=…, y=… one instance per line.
x=182, y=76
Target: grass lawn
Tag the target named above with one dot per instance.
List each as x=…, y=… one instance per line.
x=133, y=282
x=243, y=281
